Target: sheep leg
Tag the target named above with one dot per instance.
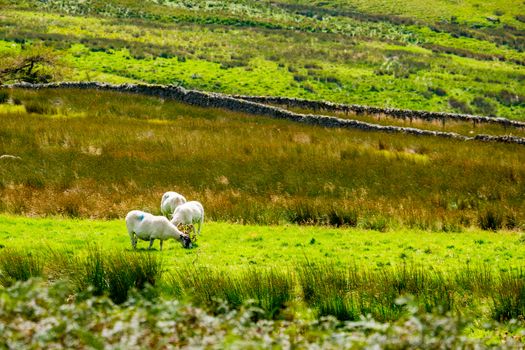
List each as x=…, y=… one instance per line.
x=200, y=224
x=161, y=241
x=150, y=243
x=133, y=240
x=201, y=221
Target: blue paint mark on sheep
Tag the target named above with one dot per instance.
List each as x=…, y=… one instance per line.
x=141, y=217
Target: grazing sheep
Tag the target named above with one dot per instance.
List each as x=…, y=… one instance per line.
x=149, y=227
x=170, y=201
x=188, y=214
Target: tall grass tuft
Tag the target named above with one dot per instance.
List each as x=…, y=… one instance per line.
x=347, y=293
x=4, y=96
x=304, y=214
x=16, y=265
x=268, y=289
x=509, y=296
x=38, y=107
x=125, y=271
x=490, y=219
x=339, y=217
x=328, y=289
x=91, y=271
x=271, y=289
x=431, y=289
x=116, y=273
x=477, y=279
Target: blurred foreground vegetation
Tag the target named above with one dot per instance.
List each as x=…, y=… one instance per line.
x=112, y=298
x=42, y=316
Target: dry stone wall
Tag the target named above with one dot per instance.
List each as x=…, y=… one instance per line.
x=258, y=106
x=391, y=112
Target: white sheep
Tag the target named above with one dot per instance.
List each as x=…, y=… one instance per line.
x=170, y=201
x=149, y=227
x=188, y=214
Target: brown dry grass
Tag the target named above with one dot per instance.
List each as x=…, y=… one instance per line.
x=100, y=154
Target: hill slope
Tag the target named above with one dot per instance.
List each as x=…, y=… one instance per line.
x=465, y=57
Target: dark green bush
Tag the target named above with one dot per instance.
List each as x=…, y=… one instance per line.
x=461, y=106
x=484, y=106
x=437, y=91
x=304, y=214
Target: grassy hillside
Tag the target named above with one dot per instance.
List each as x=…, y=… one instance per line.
x=465, y=57
x=100, y=154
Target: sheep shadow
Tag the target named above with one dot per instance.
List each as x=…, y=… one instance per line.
x=145, y=250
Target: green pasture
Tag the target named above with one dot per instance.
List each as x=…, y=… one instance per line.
x=467, y=11
x=224, y=245
x=288, y=271
x=447, y=58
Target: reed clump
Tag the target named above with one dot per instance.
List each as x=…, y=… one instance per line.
x=268, y=289
x=18, y=265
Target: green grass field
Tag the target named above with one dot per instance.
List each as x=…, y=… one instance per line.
x=448, y=59
x=289, y=271
x=225, y=245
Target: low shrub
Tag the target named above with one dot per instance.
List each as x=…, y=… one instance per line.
x=459, y=105
x=484, y=106
x=47, y=317
x=437, y=91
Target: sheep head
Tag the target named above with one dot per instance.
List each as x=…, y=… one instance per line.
x=186, y=241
